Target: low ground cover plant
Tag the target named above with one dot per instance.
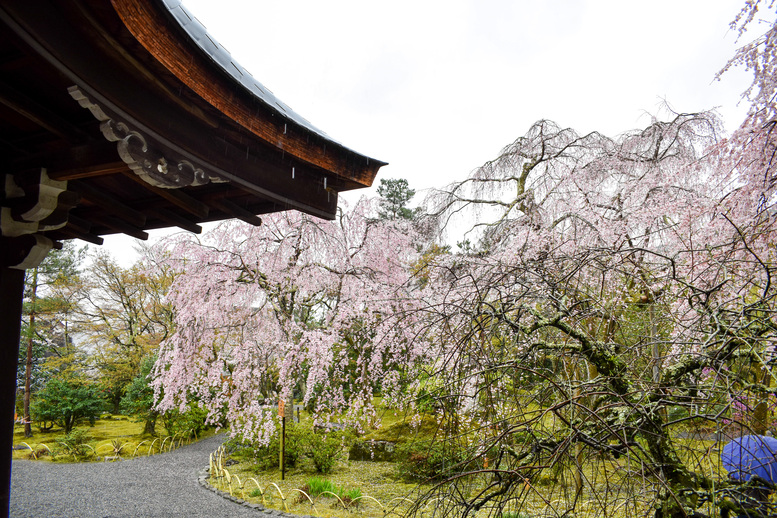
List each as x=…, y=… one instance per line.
x=316, y=486
x=112, y=436
x=324, y=449
x=430, y=460
x=76, y=443
x=354, y=482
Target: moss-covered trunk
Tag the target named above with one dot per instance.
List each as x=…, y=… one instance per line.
x=678, y=498
x=149, y=427
x=760, y=422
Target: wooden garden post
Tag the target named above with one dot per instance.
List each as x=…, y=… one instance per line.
x=282, y=454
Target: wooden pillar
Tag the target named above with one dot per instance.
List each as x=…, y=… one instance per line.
x=31, y=204
x=11, y=295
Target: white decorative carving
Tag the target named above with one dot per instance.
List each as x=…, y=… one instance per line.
x=14, y=228
x=45, y=200
x=42, y=200
x=158, y=168
x=37, y=253
x=48, y=198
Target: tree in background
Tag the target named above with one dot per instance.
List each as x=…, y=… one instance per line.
x=123, y=317
x=138, y=397
x=299, y=296
x=395, y=194
x=620, y=296
x=616, y=297
x=46, y=311
x=66, y=402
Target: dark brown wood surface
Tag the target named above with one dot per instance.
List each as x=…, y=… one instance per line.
x=133, y=60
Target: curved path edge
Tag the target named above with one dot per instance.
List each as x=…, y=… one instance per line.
x=159, y=486
x=203, y=476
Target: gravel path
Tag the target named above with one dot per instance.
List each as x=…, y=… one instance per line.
x=157, y=486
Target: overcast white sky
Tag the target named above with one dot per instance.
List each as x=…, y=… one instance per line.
x=437, y=88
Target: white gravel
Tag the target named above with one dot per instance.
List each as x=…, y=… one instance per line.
x=157, y=486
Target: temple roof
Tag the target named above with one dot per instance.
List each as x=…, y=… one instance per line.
x=199, y=33
x=133, y=117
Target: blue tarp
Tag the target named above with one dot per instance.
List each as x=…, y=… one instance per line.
x=751, y=455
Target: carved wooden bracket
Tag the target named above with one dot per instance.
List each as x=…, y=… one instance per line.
x=160, y=168
x=31, y=205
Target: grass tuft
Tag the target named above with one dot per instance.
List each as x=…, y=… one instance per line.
x=315, y=487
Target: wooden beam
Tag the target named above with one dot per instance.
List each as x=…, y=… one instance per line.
x=236, y=211
x=79, y=225
x=263, y=208
x=174, y=196
x=109, y=204
x=39, y=114
x=74, y=232
x=90, y=171
x=124, y=228
x=174, y=219
x=87, y=160
x=8, y=148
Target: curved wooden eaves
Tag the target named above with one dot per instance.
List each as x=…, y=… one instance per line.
x=81, y=41
x=162, y=37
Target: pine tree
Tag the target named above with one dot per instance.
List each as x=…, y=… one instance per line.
x=46, y=309
x=395, y=194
